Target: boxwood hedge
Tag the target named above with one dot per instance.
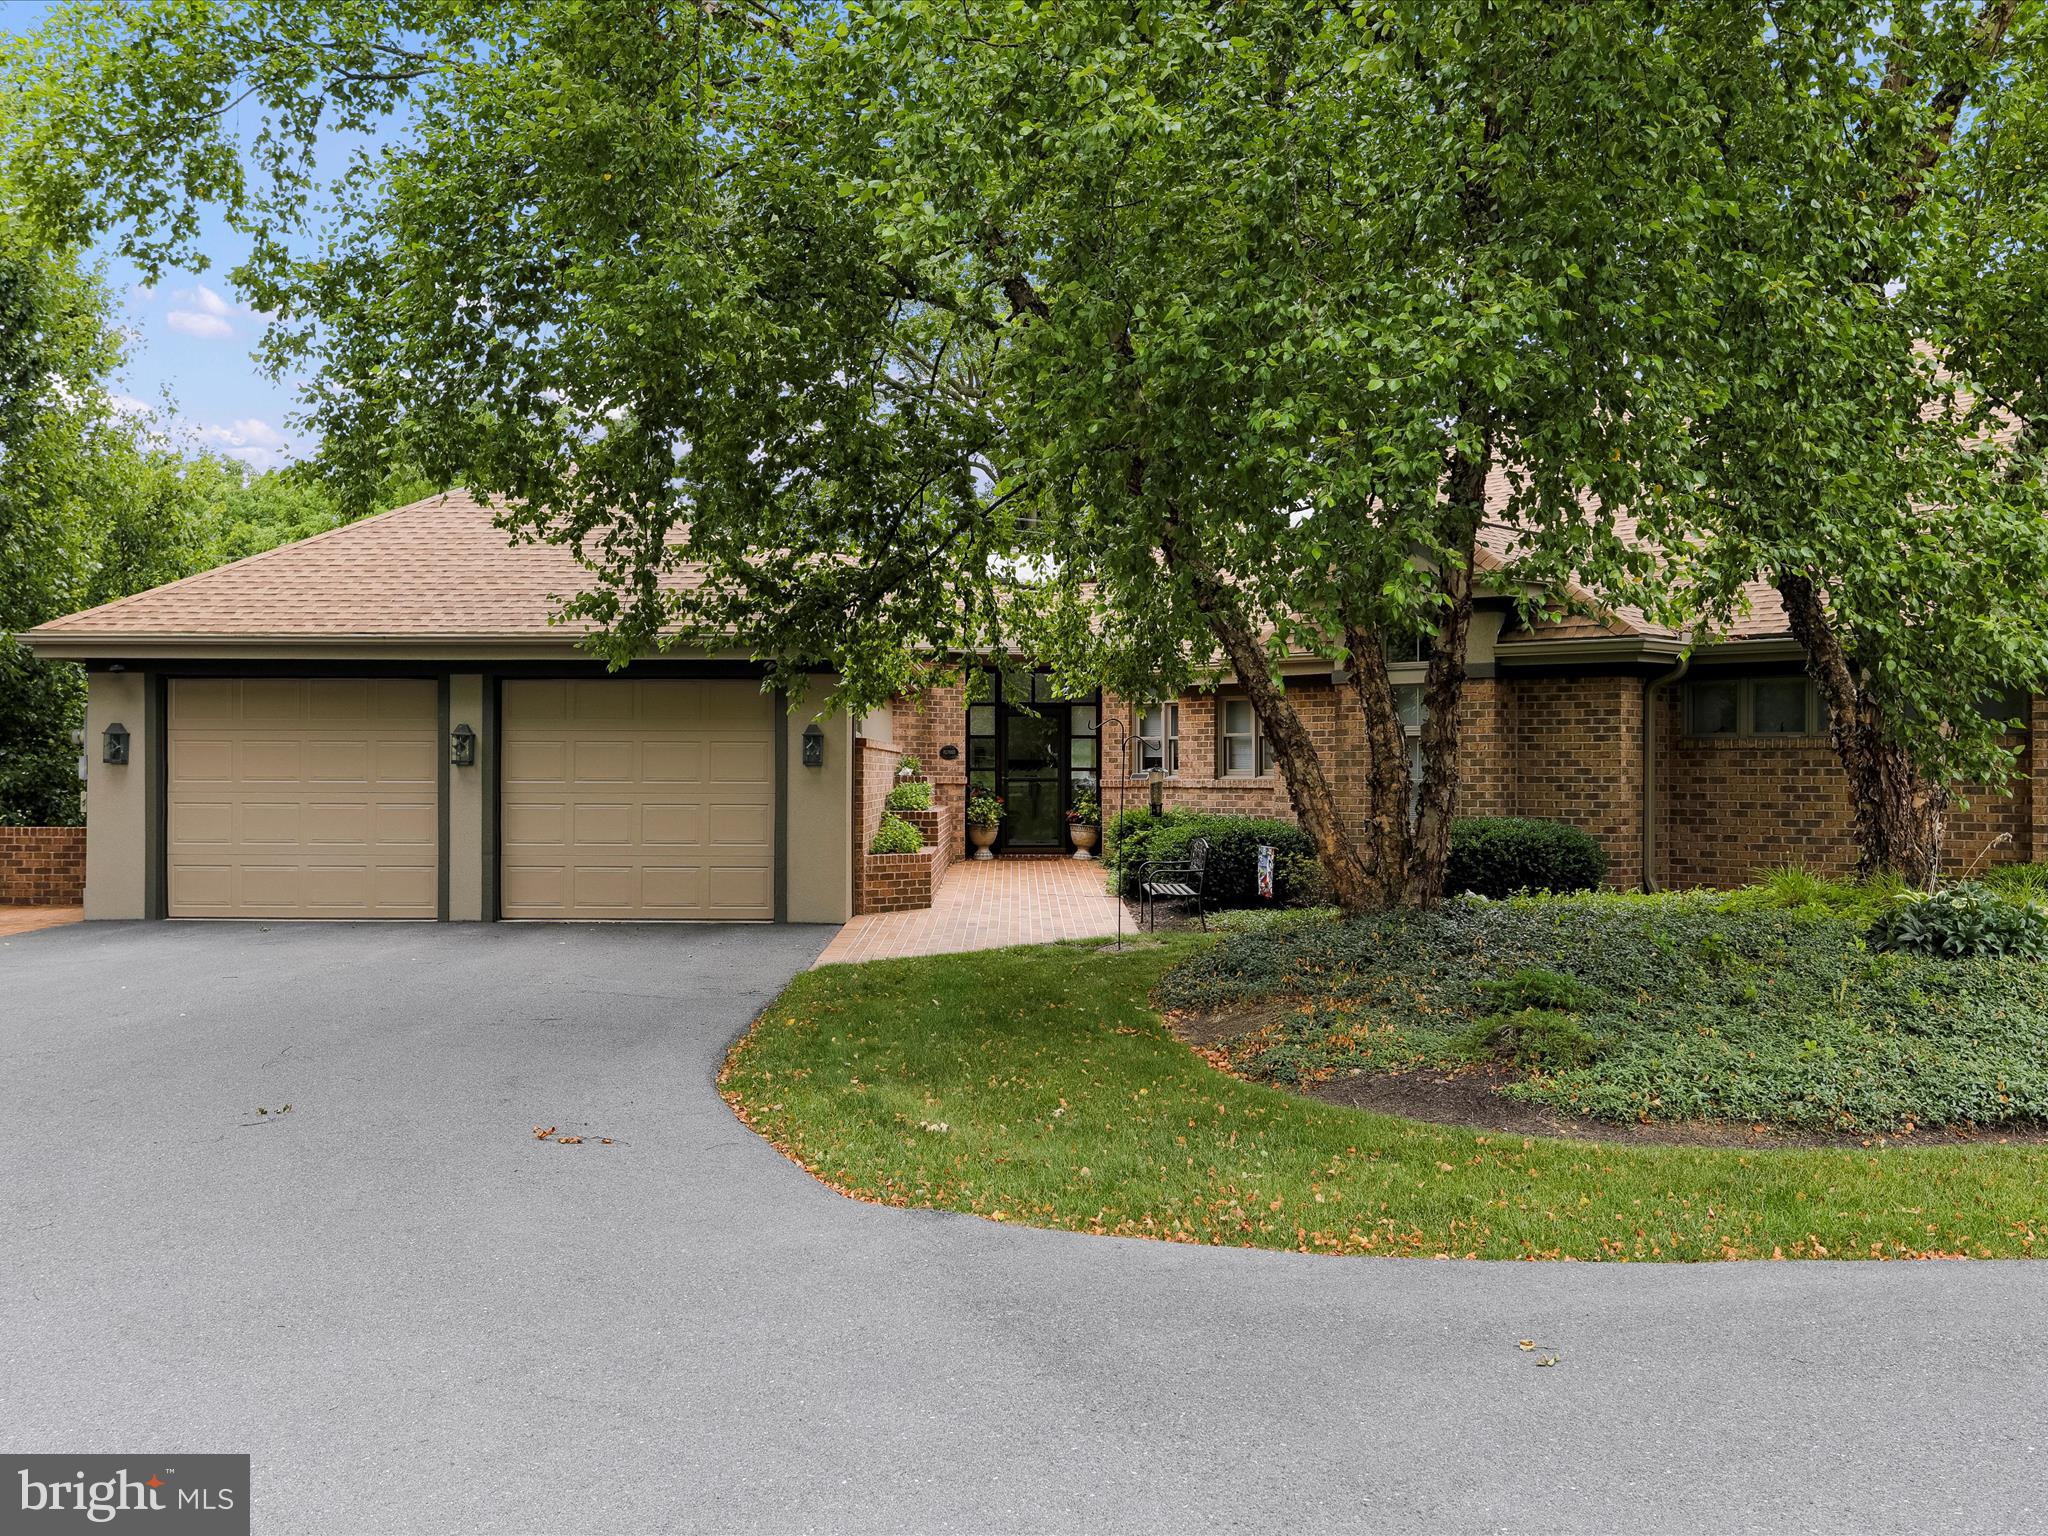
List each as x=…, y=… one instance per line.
x=1503, y=855
x=1135, y=836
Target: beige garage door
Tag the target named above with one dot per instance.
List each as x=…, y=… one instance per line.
x=303, y=797
x=632, y=799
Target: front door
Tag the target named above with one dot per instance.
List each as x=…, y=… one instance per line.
x=1032, y=778
x=1036, y=753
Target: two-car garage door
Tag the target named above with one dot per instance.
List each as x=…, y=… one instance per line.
x=620, y=798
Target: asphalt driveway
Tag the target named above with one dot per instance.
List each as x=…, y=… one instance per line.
x=416, y=1317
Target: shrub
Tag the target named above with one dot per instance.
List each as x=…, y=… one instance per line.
x=1128, y=834
x=1537, y=1039
x=1534, y=987
x=895, y=835
x=1963, y=922
x=1500, y=855
x=1137, y=836
x=984, y=810
x=909, y=768
x=910, y=795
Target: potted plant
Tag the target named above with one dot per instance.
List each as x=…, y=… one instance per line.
x=909, y=767
x=984, y=815
x=1084, y=821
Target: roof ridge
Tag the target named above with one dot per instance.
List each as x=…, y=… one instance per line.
x=113, y=604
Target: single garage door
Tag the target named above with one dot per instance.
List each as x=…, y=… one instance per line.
x=637, y=799
x=303, y=797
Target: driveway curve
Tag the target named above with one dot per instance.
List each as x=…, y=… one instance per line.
x=416, y=1317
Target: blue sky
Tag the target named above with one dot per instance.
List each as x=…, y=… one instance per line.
x=191, y=342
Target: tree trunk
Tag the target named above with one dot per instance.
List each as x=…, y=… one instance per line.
x=1387, y=823
x=1443, y=687
x=1899, y=817
x=1294, y=751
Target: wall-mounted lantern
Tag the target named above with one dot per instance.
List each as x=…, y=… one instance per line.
x=116, y=748
x=462, y=747
x=814, y=746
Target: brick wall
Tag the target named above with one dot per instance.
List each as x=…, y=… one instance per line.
x=42, y=866
x=2037, y=791
x=1577, y=757
x=1730, y=807
x=926, y=724
x=874, y=771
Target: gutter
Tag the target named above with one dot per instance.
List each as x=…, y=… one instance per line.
x=1650, y=689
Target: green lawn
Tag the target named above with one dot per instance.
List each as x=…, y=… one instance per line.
x=1038, y=1086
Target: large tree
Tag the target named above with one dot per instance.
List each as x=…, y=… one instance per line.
x=56, y=342
x=1158, y=340
x=1876, y=457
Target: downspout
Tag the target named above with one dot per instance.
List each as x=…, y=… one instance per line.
x=1650, y=689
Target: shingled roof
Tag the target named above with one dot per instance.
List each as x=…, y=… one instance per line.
x=441, y=571
x=438, y=569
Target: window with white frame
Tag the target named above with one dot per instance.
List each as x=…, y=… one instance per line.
x=1753, y=706
x=1242, y=751
x=1157, y=747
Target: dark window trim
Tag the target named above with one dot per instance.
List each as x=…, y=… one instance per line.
x=1744, y=684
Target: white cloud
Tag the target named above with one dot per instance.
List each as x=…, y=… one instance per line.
x=252, y=440
x=200, y=312
x=195, y=322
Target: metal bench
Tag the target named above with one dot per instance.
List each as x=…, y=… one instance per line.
x=1175, y=880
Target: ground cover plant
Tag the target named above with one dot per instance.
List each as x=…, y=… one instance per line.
x=1756, y=1008
x=1040, y=1086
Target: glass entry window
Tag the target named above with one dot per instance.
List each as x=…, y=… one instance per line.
x=1037, y=753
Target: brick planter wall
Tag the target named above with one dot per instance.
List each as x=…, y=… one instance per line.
x=42, y=866
x=898, y=882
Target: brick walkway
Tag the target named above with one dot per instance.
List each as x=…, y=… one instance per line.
x=987, y=904
x=15, y=920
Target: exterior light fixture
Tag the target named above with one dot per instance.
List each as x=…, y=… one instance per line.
x=814, y=746
x=116, y=748
x=462, y=747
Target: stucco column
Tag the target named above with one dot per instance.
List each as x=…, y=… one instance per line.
x=817, y=810
x=117, y=844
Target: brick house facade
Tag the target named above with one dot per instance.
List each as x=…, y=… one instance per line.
x=1550, y=737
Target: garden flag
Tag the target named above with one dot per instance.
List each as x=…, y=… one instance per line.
x=1266, y=871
